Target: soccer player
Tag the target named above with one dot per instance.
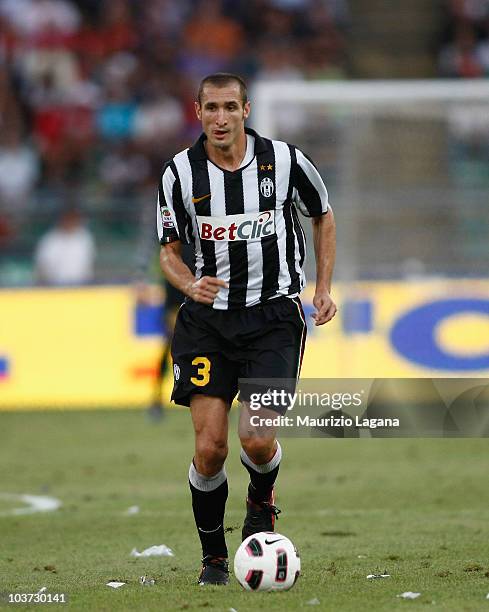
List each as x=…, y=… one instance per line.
x=173, y=300
x=234, y=195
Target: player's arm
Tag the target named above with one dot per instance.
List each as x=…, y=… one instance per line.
x=324, y=234
x=174, y=227
x=311, y=198
x=179, y=275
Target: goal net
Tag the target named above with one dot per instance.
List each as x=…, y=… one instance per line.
x=406, y=164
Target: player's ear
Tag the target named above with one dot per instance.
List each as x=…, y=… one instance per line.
x=198, y=110
x=246, y=110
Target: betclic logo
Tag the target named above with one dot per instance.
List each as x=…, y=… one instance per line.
x=251, y=226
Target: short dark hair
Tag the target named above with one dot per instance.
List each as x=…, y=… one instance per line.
x=221, y=79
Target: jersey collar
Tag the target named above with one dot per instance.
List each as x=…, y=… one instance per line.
x=197, y=150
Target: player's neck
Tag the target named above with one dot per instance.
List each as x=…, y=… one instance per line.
x=229, y=158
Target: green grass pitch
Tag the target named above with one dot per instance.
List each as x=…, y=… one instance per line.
x=418, y=509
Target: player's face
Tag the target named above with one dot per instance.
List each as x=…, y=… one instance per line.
x=222, y=114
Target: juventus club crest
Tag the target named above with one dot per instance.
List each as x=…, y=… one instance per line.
x=266, y=187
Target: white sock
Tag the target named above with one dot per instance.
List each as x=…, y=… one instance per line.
x=263, y=468
x=206, y=483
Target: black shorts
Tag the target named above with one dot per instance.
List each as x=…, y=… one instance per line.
x=212, y=349
x=173, y=297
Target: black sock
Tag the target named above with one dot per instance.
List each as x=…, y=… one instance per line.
x=263, y=476
x=209, y=497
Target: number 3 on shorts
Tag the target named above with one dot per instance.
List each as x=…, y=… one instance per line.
x=203, y=371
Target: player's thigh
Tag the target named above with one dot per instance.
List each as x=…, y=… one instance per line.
x=199, y=364
x=274, y=357
x=199, y=372
x=277, y=352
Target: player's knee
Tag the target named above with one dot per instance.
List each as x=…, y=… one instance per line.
x=258, y=449
x=210, y=455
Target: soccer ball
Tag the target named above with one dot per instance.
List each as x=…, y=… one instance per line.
x=267, y=561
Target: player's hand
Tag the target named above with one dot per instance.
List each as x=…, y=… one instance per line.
x=147, y=294
x=326, y=308
x=205, y=289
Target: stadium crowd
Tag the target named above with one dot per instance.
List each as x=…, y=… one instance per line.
x=464, y=50
x=97, y=94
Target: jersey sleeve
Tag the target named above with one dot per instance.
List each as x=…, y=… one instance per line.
x=309, y=192
x=172, y=220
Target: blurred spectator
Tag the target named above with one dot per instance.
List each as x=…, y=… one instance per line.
x=164, y=19
x=324, y=49
x=338, y=10
x=63, y=127
x=124, y=169
x=275, y=66
x=470, y=10
x=483, y=55
x=116, y=115
x=280, y=26
x=278, y=63
x=19, y=171
x=65, y=255
x=212, y=33
x=35, y=18
x=464, y=51
x=463, y=57
x=160, y=116
x=118, y=29
x=212, y=40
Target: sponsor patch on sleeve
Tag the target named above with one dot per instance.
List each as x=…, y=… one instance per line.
x=167, y=218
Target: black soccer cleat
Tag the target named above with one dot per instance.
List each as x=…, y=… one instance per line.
x=260, y=517
x=215, y=570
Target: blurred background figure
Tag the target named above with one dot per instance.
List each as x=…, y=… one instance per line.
x=65, y=255
x=173, y=299
x=465, y=40
x=152, y=289
x=19, y=171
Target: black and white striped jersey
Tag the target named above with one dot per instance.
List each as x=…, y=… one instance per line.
x=244, y=224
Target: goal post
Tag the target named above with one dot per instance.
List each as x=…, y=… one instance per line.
x=406, y=164
x=377, y=93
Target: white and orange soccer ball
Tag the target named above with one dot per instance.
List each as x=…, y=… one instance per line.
x=267, y=561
